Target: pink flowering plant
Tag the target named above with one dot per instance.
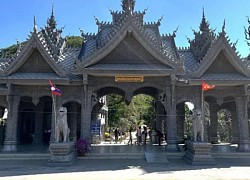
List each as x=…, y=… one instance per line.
x=83, y=145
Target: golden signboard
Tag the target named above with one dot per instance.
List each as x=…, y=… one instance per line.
x=129, y=78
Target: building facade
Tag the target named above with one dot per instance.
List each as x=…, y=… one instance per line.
x=127, y=57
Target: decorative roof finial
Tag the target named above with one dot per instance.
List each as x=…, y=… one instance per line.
x=35, y=26
x=97, y=20
x=204, y=26
x=82, y=34
x=175, y=31
x=128, y=6
x=52, y=21
x=224, y=26
x=159, y=20
x=145, y=10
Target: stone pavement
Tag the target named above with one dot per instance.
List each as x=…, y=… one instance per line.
x=124, y=169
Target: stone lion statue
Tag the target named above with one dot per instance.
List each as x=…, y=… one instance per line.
x=62, y=125
x=198, y=127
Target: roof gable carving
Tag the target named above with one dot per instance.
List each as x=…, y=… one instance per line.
x=221, y=65
x=221, y=53
x=35, y=64
x=23, y=58
x=129, y=51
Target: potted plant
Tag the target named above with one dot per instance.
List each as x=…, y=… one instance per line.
x=83, y=146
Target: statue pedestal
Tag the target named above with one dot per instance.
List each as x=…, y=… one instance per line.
x=198, y=153
x=62, y=154
x=10, y=146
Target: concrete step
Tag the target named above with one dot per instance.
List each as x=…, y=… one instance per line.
x=24, y=156
x=156, y=157
x=113, y=156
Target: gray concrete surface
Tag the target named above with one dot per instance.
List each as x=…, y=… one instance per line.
x=124, y=169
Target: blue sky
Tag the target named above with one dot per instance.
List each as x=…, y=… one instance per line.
x=16, y=17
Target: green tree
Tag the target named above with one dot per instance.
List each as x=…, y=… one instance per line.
x=139, y=111
x=74, y=41
x=247, y=34
x=9, y=51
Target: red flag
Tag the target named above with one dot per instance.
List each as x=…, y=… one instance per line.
x=206, y=86
x=54, y=90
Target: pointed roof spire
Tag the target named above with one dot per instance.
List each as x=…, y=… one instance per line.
x=128, y=6
x=224, y=26
x=204, y=26
x=52, y=21
x=35, y=26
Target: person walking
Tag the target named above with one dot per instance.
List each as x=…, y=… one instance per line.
x=139, y=139
x=145, y=133
x=160, y=135
x=130, y=136
x=116, y=134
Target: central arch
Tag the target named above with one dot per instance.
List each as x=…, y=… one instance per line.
x=127, y=93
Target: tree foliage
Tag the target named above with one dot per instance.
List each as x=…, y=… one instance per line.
x=224, y=125
x=9, y=51
x=247, y=34
x=139, y=111
x=74, y=41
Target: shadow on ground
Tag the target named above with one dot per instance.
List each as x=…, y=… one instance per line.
x=36, y=167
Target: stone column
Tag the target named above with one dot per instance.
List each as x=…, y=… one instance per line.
x=234, y=127
x=11, y=124
x=241, y=108
x=172, y=140
x=38, y=134
x=86, y=113
x=159, y=115
x=180, y=122
x=213, y=124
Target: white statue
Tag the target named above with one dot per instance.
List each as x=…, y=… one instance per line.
x=198, y=127
x=62, y=125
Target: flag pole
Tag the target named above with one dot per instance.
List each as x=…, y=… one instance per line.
x=54, y=106
x=202, y=103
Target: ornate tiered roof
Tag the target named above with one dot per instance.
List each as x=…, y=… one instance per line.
x=202, y=39
x=129, y=23
x=156, y=53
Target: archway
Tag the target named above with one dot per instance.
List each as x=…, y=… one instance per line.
x=184, y=112
x=34, y=121
x=224, y=126
x=26, y=120
x=74, y=119
x=131, y=113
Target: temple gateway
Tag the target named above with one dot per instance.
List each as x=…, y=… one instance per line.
x=127, y=57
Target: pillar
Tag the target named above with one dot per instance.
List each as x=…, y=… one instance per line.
x=234, y=127
x=180, y=121
x=10, y=143
x=241, y=108
x=86, y=113
x=213, y=135
x=159, y=116
x=170, y=120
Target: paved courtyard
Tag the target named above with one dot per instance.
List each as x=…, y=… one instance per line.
x=125, y=169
